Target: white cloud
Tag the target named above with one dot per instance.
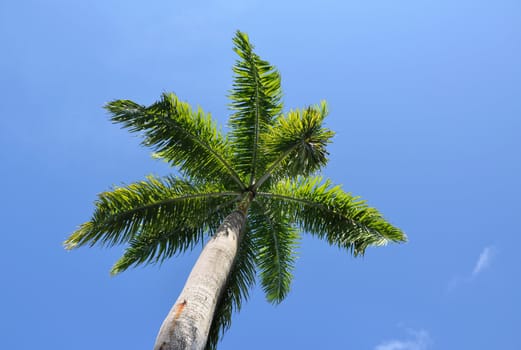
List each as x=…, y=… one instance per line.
x=484, y=260
x=418, y=340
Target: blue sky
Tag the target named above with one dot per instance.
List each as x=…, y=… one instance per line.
x=425, y=99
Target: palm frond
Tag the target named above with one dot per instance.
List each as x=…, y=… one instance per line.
x=156, y=244
x=186, y=138
x=238, y=286
x=255, y=100
x=329, y=213
x=151, y=206
x=297, y=143
x=275, y=243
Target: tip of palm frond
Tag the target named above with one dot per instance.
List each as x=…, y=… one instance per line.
x=115, y=271
x=395, y=235
x=241, y=36
x=242, y=43
x=275, y=299
x=116, y=105
x=319, y=111
x=388, y=236
x=77, y=238
x=118, y=268
x=402, y=238
x=69, y=244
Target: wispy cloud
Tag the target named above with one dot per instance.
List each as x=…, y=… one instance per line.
x=417, y=340
x=484, y=260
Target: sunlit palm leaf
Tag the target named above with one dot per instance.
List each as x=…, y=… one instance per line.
x=330, y=213
x=153, y=205
x=255, y=99
x=296, y=144
x=187, y=139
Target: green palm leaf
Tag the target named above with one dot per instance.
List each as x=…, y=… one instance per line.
x=157, y=243
x=150, y=208
x=275, y=242
x=297, y=144
x=187, y=139
x=255, y=97
x=328, y=212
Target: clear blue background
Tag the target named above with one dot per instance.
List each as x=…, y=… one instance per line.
x=425, y=97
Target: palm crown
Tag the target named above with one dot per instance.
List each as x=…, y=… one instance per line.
x=269, y=160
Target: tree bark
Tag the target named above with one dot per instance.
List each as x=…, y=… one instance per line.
x=187, y=325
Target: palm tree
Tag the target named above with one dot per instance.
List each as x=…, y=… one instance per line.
x=249, y=194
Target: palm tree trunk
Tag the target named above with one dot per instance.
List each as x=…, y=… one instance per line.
x=188, y=322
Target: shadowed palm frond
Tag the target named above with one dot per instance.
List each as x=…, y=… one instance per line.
x=155, y=244
x=151, y=206
x=238, y=286
x=275, y=243
x=255, y=100
x=297, y=142
x=187, y=139
x=329, y=213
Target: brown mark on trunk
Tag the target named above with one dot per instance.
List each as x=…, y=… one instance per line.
x=179, y=309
